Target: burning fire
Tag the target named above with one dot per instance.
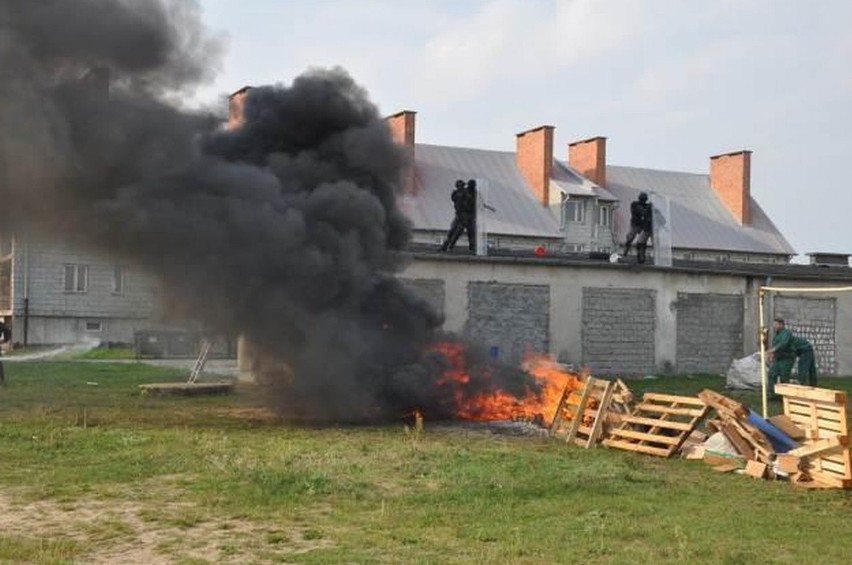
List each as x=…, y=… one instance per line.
x=478, y=399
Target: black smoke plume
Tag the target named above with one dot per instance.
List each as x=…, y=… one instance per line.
x=284, y=229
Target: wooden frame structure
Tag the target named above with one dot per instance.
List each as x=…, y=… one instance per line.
x=821, y=413
x=658, y=425
x=581, y=416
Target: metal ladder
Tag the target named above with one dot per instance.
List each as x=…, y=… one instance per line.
x=198, y=366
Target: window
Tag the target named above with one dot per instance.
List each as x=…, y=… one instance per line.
x=76, y=278
x=94, y=327
x=118, y=280
x=573, y=211
x=604, y=216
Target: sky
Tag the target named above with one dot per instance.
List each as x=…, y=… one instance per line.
x=668, y=83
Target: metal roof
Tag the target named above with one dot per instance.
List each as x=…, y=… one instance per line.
x=699, y=218
x=518, y=212
x=572, y=183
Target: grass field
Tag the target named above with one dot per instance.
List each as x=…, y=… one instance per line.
x=92, y=472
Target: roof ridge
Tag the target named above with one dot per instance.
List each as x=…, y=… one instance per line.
x=656, y=170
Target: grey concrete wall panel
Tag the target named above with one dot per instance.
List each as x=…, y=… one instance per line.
x=709, y=332
x=814, y=319
x=618, y=330
x=430, y=290
x=509, y=319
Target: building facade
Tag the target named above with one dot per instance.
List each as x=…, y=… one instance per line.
x=55, y=292
x=582, y=205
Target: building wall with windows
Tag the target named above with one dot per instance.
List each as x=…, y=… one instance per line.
x=587, y=224
x=63, y=294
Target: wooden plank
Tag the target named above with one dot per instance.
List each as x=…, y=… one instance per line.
x=811, y=393
x=597, y=427
x=756, y=469
x=831, y=482
x=626, y=445
x=819, y=446
x=829, y=428
x=559, y=416
x=578, y=413
x=668, y=410
x=788, y=463
x=788, y=426
x=668, y=440
x=722, y=403
x=714, y=459
x=673, y=398
x=667, y=424
x=727, y=467
x=834, y=468
x=741, y=445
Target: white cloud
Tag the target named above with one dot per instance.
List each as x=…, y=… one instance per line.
x=515, y=40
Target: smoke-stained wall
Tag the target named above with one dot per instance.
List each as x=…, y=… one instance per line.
x=510, y=320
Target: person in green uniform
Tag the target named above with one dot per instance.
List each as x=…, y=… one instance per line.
x=807, y=362
x=781, y=354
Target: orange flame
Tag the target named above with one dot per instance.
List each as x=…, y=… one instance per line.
x=553, y=380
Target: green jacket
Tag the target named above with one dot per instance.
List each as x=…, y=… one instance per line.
x=800, y=345
x=782, y=343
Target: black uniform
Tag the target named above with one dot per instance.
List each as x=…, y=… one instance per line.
x=641, y=226
x=464, y=202
x=5, y=337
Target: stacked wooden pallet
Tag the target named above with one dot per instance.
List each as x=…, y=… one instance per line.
x=584, y=416
x=733, y=421
x=580, y=416
x=824, y=457
x=658, y=425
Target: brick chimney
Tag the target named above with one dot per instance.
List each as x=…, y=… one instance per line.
x=402, y=127
x=236, y=103
x=730, y=177
x=535, y=159
x=589, y=158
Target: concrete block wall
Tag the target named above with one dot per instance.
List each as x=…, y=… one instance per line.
x=510, y=320
x=618, y=330
x=430, y=290
x=813, y=318
x=709, y=331
x=566, y=284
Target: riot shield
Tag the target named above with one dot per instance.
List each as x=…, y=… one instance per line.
x=482, y=210
x=662, y=230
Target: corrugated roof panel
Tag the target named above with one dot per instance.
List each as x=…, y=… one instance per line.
x=569, y=181
x=699, y=218
x=517, y=210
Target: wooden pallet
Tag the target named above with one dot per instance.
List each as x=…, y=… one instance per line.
x=659, y=424
x=580, y=416
x=733, y=423
x=821, y=413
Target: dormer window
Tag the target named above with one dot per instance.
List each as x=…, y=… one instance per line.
x=604, y=215
x=573, y=211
